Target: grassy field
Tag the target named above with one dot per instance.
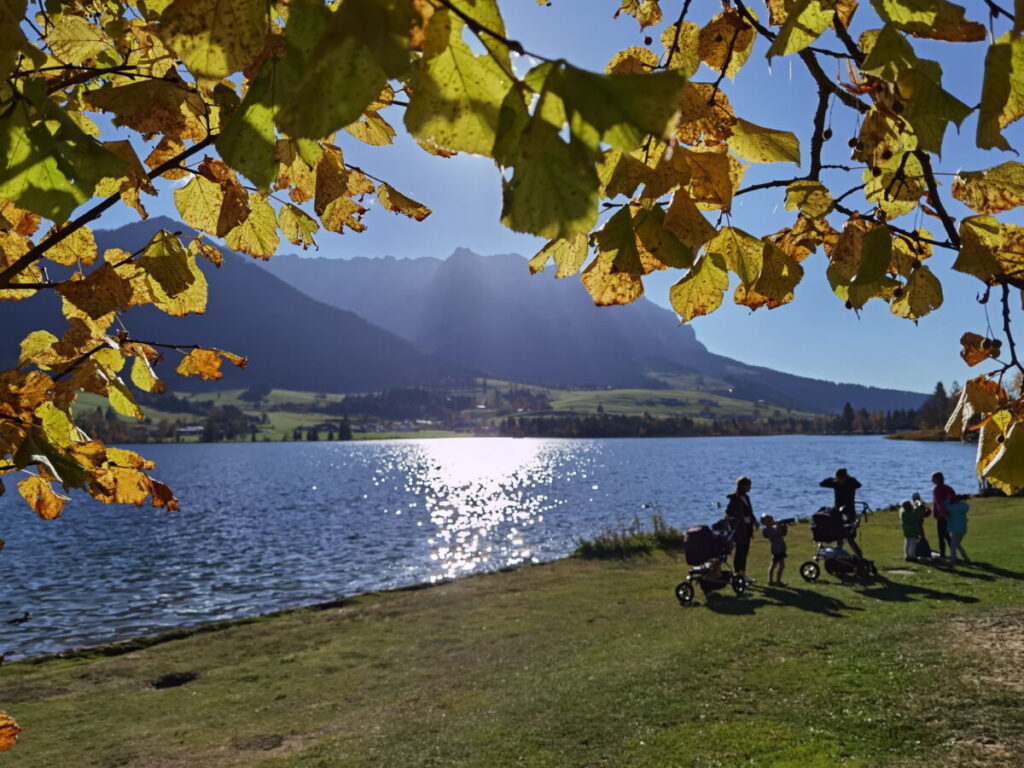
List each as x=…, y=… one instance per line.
x=575, y=663
x=661, y=403
x=283, y=419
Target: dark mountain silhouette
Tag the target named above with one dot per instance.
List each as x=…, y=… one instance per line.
x=291, y=340
x=489, y=313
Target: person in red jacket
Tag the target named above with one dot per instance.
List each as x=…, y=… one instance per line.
x=942, y=495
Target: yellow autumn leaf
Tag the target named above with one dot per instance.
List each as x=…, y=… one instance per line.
x=396, y=202
x=975, y=348
x=9, y=729
x=41, y=497
x=204, y=363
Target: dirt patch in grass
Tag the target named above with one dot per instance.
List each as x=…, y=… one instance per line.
x=987, y=725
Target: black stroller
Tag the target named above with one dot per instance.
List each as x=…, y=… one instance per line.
x=706, y=550
x=829, y=528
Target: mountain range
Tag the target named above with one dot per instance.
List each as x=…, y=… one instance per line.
x=349, y=325
x=492, y=315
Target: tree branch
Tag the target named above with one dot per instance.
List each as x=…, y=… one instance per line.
x=92, y=214
x=933, y=195
x=892, y=227
x=818, y=136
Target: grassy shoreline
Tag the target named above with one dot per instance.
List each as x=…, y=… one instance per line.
x=573, y=662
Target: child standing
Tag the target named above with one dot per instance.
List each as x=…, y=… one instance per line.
x=776, y=534
x=957, y=524
x=912, y=522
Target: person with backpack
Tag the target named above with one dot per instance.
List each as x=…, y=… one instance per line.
x=942, y=495
x=740, y=514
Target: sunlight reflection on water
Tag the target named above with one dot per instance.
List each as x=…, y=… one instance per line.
x=480, y=501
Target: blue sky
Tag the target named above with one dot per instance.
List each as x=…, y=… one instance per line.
x=815, y=336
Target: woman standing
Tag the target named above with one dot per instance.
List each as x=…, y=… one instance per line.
x=740, y=514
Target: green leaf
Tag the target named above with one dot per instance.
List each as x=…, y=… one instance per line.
x=298, y=226
x=257, y=235
x=993, y=190
x=487, y=14
x=804, y=23
x=617, y=243
x=742, y=253
x=122, y=401
x=36, y=449
x=656, y=239
x=73, y=40
x=144, y=378
x=990, y=250
x=763, y=145
x=811, y=198
x=930, y=108
x=199, y=203
x=700, y=292
x=215, y=38
x=934, y=19
x=34, y=344
x=568, y=253
x=57, y=427
x=922, y=294
x=686, y=222
x=247, y=140
x=29, y=173
x=1006, y=469
x=366, y=42
x=620, y=109
x=11, y=36
x=889, y=53
x=1002, y=92
x=553, y=191
x=173, y=283
x=457, y=95
x=775, y=285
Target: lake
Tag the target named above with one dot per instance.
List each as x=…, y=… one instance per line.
x=265, y=526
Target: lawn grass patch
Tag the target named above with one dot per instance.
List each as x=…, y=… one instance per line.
x=579, y=662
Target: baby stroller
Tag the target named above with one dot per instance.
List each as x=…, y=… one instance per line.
x=829, y=528
x=706, y=550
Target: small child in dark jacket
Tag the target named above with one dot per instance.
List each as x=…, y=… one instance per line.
x=776, y=534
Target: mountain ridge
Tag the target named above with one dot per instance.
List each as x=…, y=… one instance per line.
x=491, y=314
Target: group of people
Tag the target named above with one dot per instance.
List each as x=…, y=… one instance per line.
x=950, y=512
x=948, y=508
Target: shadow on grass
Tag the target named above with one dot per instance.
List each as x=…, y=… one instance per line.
x=788, y=597
x=895, y=592
x=994, y=570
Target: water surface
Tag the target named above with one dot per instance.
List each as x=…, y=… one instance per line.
x=265, y=526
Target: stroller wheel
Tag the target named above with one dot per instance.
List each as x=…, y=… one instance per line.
x=831, y=568
x=810, y=571
x=739, y=584
x=863, y=569
x=684, y=593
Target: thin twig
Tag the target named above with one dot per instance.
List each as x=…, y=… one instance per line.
x=1006, y=330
